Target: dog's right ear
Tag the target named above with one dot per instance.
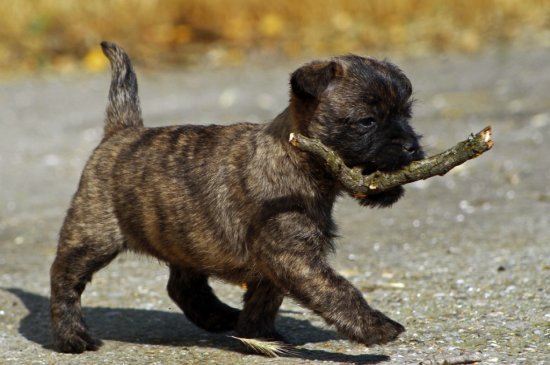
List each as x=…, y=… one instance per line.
x=309, y=81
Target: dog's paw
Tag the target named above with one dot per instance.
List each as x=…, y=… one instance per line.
x=221, y=318
x=260, y=333
x=380, y=329
x=76, y=342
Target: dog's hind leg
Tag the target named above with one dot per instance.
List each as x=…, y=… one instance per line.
x=189, y=289
x=85, y=246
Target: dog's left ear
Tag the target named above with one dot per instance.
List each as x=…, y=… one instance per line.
x=309, y=81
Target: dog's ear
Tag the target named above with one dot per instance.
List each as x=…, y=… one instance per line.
x=309, y=81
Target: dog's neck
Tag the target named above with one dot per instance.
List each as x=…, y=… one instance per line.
x=279, y=129
x=281, y=126
x=308, y=176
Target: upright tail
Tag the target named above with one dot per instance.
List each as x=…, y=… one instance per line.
x=123, y=110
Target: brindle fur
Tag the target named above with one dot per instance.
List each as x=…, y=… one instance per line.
x=235, y=202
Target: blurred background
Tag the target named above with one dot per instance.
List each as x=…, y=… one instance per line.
x=63, y=35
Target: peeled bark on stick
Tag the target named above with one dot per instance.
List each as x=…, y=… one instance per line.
x=361, y=185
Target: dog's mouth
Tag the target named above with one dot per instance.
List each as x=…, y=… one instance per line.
x=389, y=166
x=369, y=168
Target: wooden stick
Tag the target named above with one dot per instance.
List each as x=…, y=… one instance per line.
x=360, y=185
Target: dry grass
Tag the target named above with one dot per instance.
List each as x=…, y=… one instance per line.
x=64, y=33
x=266, y=348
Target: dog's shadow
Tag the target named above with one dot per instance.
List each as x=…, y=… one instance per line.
x=170, y=328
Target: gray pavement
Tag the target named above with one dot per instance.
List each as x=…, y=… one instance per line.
x=463, y=261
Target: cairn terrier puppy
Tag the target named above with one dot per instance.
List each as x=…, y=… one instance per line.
x=236, y=202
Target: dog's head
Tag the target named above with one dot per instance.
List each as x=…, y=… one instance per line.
x=361, y=108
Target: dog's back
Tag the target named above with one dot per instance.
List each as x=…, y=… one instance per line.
x=192, y=195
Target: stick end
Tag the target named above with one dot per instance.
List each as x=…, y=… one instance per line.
x=486, y=136
x=293, y=139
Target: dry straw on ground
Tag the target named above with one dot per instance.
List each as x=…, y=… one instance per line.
x=266, y=348
x=63, y=33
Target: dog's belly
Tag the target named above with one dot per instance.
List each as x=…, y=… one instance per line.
x=186, y=243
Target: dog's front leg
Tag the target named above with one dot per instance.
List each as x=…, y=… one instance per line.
x=261, y=304
x=292, y=252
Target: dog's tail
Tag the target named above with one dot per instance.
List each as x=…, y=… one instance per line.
x=123, y=110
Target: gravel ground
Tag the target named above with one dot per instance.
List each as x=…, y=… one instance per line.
x=463, y=261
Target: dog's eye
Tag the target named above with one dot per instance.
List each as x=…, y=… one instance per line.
x=366, y=122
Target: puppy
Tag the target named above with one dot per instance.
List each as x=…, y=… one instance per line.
x=235, y=202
